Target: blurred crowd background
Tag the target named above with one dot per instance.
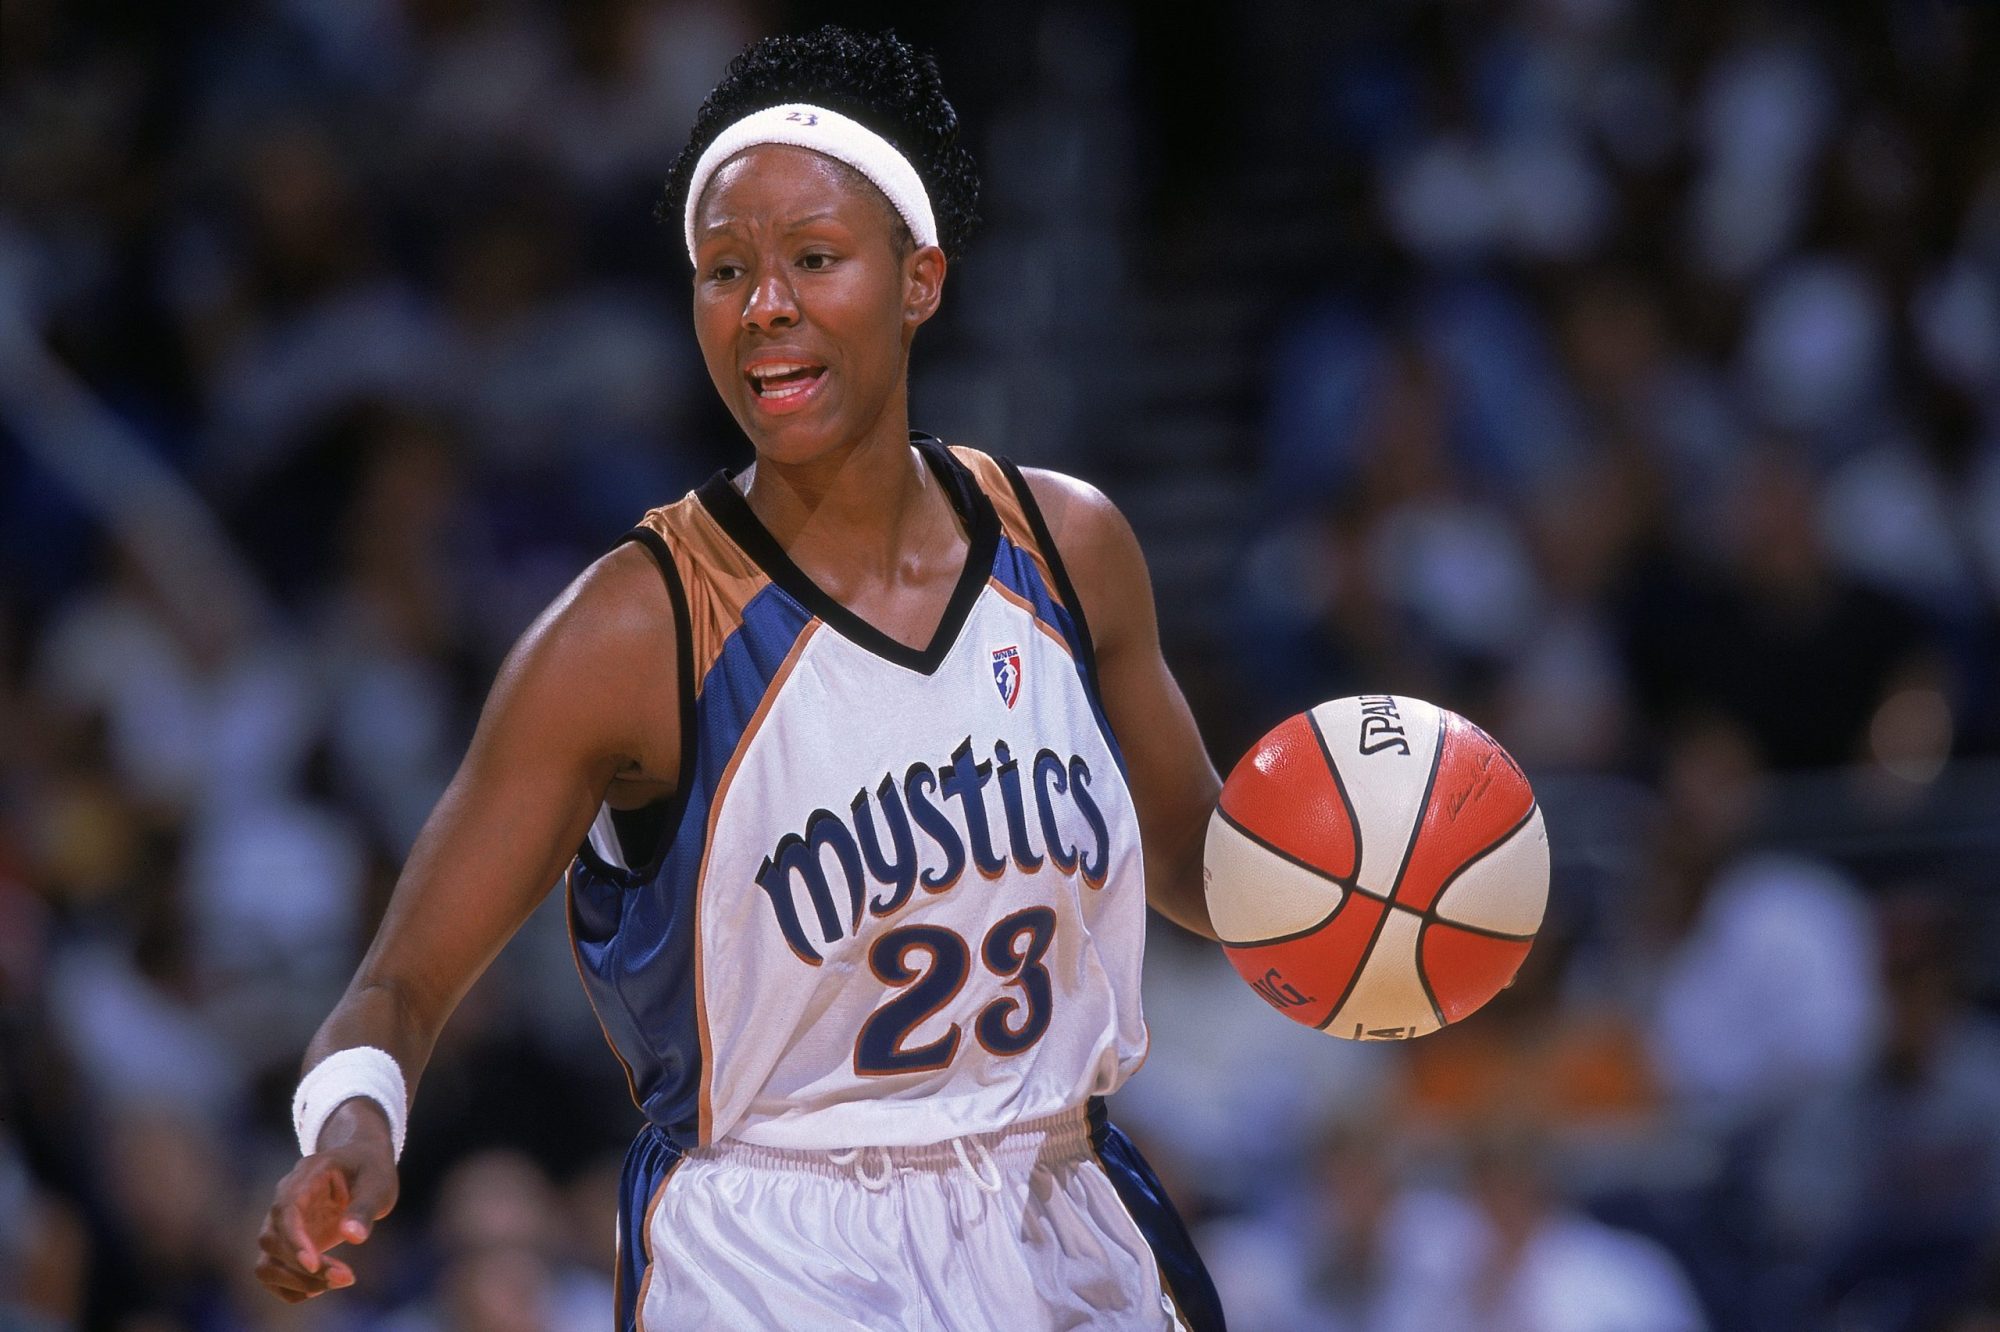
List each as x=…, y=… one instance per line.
x=1625, y=376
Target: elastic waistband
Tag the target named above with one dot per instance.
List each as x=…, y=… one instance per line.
x=1064, y=1136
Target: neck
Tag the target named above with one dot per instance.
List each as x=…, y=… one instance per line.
x=863, y=499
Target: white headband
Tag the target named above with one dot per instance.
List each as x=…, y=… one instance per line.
x=803, y=126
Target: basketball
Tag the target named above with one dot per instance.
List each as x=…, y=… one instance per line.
x=1377, y=867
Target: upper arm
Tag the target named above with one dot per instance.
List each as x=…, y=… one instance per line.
x=1174, y=784
x=587, y=694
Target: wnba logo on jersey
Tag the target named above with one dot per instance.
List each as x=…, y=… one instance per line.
x=1049, y=796
x=1007, y=673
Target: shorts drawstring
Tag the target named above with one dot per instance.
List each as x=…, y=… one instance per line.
x=985, y=1158
x=988, y=1179
x=874, y=1181
x=874, y=1168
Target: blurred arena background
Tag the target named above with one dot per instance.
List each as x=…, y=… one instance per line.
x=1625, y=376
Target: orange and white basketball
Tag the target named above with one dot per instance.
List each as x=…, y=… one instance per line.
x=1377, y=867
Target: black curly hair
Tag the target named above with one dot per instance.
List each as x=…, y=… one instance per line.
x=876, y=79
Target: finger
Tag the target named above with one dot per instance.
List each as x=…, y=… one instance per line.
x=372, y=1201
x=292, y=1225
x=339, y=1275
x=277, y=1248
x=285, y=1277
x=278, y=1254
x=288, y=1280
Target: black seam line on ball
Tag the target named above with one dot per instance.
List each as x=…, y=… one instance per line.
x=1434, y=918
x=1423, y=808
x=1313, y=928
x=1340, y=784
x=1289, y=858
x=1431, y=912
x=1423, y=811
x=1424, y=980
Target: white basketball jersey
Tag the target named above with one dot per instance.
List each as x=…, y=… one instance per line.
x=900, y=896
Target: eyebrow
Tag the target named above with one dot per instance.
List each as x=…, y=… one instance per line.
x=789, y=224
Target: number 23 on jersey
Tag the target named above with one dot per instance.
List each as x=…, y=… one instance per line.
x=929, y=964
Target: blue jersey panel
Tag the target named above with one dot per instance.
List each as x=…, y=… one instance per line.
x=634, y=929
x=1018, y=573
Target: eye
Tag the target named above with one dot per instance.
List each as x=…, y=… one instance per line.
x=724, y=272
x=815, y=261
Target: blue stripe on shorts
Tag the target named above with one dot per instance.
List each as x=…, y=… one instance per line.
x=1146, y=1199
x=651, y=1159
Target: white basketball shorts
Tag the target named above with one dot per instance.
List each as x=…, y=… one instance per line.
x=1023, y=1229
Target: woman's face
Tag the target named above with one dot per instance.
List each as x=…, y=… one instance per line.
x=805, y=302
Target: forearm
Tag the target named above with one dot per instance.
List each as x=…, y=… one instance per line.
x=378, y=1014
x=1175, y=884
x=1174, y=784
x=381, y=1014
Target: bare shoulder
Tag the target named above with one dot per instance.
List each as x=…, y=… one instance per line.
x=1082, y=519
x=1102, y=554
x=598, y=669
x=615, y=611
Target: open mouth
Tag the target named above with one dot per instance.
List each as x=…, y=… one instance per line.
x=778, y=380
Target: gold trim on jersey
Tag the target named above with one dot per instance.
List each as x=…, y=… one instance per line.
x=1013, y=519
x=720, y=579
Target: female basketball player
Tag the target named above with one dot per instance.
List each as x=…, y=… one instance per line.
x=860, y=895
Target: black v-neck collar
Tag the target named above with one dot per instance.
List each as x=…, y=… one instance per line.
x=727, y=505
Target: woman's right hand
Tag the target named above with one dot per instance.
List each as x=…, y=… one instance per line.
x=589, y=697
x=335, y=1196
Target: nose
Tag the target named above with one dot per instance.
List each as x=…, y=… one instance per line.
x=771, y=303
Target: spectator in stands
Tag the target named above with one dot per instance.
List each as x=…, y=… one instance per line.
x=1884, y=1192
x=498, y=1257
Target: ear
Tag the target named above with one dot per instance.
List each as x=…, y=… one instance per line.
x=923, y=285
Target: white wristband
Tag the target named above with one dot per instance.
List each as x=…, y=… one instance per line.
x=340, y=1077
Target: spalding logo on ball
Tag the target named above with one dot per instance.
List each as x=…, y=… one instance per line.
x=1377, y=867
